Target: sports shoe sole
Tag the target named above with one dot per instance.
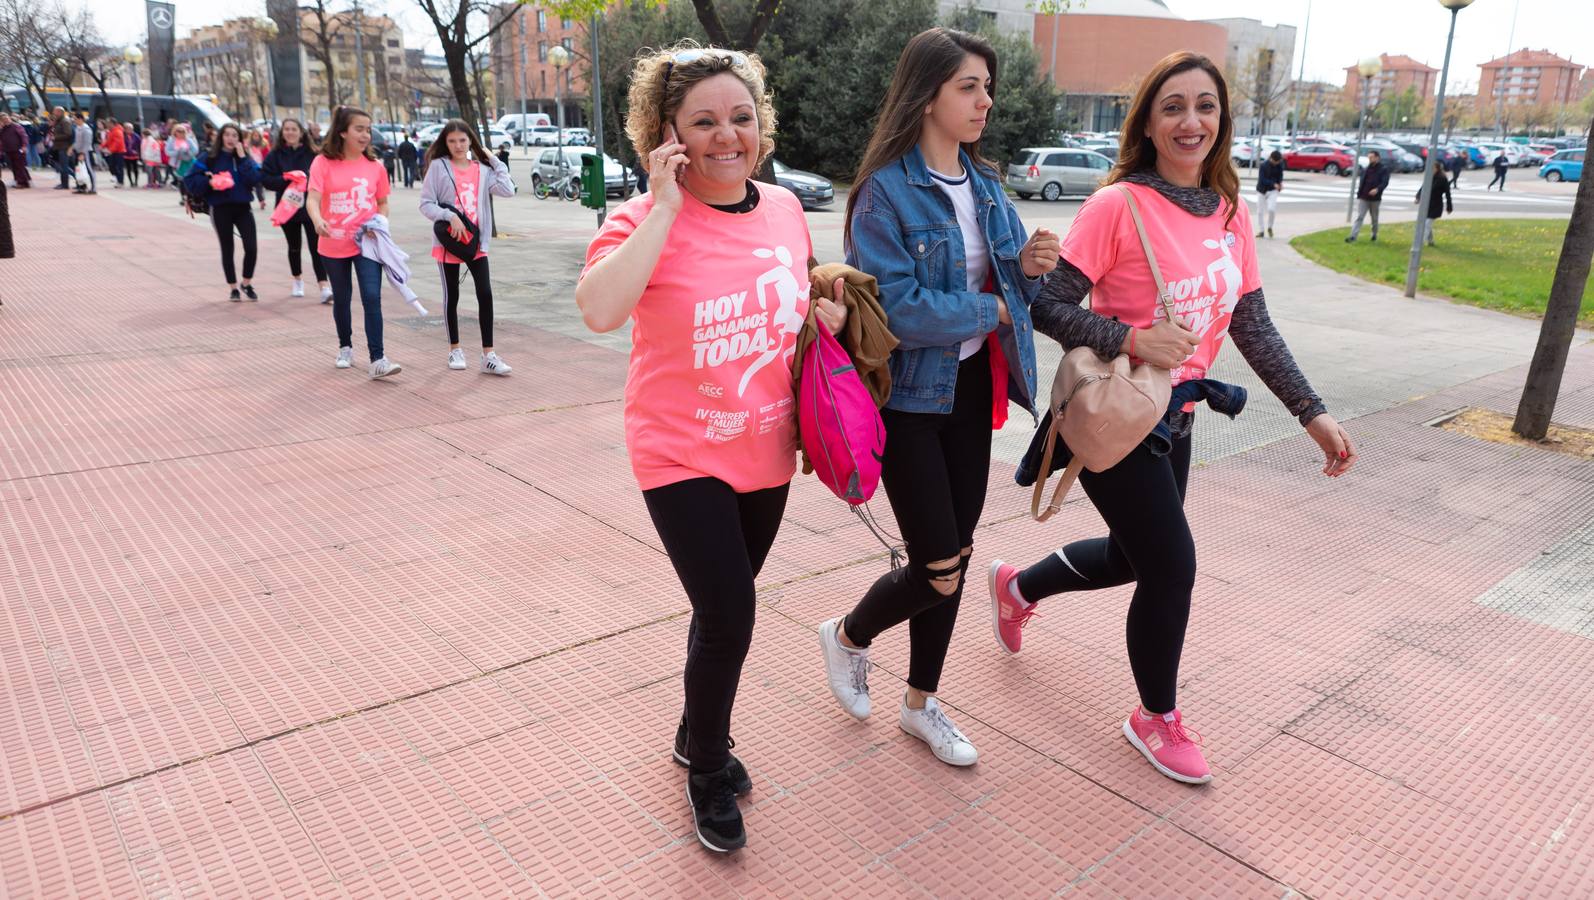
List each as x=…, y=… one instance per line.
x=703, y=840
x=1134, y=740
x=996, y=608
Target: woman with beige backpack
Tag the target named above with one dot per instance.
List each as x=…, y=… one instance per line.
x=1168, y=232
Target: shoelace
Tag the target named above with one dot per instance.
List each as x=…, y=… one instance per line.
x=1178, y=734
x=860, y=665
x=1024, y=616
x=943, y=726
x=721, y=796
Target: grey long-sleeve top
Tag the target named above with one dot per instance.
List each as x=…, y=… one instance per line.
x=1058, y=314
x=438, y=188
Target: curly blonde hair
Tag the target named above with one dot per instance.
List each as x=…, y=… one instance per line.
x=659, y=86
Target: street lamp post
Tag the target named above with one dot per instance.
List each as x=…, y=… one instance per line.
x=559, y=58
x=1368, y=69
x=1295, y=93
x=1455, y=6
x=268, y=30
x=134, y=56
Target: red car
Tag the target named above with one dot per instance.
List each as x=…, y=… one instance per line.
x=1325, y=158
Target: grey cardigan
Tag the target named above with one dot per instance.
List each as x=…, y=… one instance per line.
x=439, y=188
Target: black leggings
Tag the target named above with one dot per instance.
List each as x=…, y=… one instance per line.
x=935, y=472
x=484, y=297
x=224, y=217
x=290, y=230
x=717, y=540
x=1149, y=543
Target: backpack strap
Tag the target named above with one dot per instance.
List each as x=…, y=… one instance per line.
x=1163, y=296
x=1070, y=475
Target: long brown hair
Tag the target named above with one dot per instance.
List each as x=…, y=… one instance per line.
x=439, y=148
x=930, y=60
x=305, y=140
x=342, y=119
x=1136, y=153
x=221, y=138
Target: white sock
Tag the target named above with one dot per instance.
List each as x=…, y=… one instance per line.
x=1012, y=590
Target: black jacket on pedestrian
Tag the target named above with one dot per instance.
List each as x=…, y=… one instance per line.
x=1501, y=165
x=1269, y=177
x=1439, y=200
x=1375, y=178
x=407, y=153
x=278, y=162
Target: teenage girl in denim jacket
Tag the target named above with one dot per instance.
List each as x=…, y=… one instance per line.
x=929, y=220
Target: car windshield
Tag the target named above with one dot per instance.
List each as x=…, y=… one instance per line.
x=780, y=168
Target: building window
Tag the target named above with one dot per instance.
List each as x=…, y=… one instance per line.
x=568, y=43
x=564, y=22
x=542, y=51
x=392, y=42
x=542, y=20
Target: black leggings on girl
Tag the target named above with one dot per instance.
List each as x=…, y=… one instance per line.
x=717, y=540
x=224, y=217
x=484, y=297
x=291, y=232
x=935, y=472
x=1149, y=543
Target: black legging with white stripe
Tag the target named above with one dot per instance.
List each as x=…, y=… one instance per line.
x=484, y=297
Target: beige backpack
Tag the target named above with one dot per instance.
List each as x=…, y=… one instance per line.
x=1102, y=409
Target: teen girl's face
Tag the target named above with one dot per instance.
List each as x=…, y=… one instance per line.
x=718, y=123
x=357, y=136
x=1185, y=119
x=292, y=134
x=229, y=140
x=962, y=104
x=459, y=145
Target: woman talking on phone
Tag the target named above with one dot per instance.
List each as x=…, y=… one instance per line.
x=1174, y=162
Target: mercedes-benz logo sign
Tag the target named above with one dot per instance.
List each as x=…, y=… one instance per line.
x=160, y=17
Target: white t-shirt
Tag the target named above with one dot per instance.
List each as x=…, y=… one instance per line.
x=976, y=251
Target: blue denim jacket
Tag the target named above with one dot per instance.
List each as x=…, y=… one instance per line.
x=905, y=233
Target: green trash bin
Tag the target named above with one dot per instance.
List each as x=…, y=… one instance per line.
x=592, y=184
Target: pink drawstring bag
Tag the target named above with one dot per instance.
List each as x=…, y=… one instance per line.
x=221, y=181
x=292, y=199
x=840, y=427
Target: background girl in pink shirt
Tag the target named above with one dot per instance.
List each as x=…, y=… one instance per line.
x=348, y=186
x=1175, y=162
x=712, y=270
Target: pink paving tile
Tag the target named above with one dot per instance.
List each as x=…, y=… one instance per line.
x=1163, y=861
x=881, y=803
x=381, y=818
x=572, y=840
x=68, y=849
x=1095, y=829
x=519, y=768
x=972, y=853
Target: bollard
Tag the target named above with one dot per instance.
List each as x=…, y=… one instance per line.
x=7, y=248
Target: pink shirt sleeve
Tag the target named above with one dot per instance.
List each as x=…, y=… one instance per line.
x=383, y=186
x=1091, y=244
x=318, y=174
x=616, y=228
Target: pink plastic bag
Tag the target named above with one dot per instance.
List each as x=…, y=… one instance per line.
x=840, y=426
x=221, y=181
x=292, y=199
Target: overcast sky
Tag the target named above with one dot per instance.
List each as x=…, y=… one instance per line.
x=1341, y=31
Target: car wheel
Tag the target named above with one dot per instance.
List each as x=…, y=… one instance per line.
x=1022, y=195
x=1553, y=175
x=1052, y=191
x=1331, y=169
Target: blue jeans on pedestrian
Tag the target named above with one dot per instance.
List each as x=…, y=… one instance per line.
x=341, y=272
x=34, y=160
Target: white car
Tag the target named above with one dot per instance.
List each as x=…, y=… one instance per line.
x=493, y=139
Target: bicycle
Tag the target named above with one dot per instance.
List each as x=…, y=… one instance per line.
x=567, y=186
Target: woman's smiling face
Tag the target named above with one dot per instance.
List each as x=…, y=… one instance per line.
x=718, y=123
x=1185, y=120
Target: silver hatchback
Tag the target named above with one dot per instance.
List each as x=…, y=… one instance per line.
x=1055, y=171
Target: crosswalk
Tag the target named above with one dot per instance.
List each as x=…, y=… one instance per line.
x=1297, y=192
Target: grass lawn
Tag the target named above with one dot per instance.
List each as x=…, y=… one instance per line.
x=1504, y=264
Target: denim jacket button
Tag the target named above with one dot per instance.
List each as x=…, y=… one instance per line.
x=921, y=246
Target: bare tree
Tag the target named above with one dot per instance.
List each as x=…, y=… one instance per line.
x=26, y=47
x=318, y=40
x=1560, y=316
x=709, y=16
x=1264, y=82
x=85, y=49
x=462, y=26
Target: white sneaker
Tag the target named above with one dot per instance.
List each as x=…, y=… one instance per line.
x=933, y=727
x=492, y=365
x=847, y=671
x=298, y=289
x=345, y=357
x=326, y=295
x=456, y=358
x=384, y=367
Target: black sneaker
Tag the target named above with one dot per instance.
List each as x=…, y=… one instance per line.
x=249, y=291
x=1373, y=239
x=233, y=295
x=742, y=782
x=714, y=812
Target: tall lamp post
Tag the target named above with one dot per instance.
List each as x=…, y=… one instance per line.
x=248, y=79
x=134, y=56
x=268, y=30
x=1455, y=6
x=1368, y=69
x=1295, y=89
x=559, y=58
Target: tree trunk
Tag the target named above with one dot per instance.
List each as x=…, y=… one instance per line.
x=459, y=82
x=1560, y=316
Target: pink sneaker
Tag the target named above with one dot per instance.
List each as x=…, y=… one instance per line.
x=1166, y=744
x=1008, y=616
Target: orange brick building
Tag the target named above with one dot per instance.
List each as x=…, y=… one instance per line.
x=1398, y=73
x=1531, y=78
x=520, y=63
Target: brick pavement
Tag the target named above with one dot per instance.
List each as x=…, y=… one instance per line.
x=271, y=628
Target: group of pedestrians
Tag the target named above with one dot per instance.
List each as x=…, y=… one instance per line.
x=712, y=269
x=77, y=149
x=337, y=194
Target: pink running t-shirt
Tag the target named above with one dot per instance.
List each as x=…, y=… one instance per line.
x=349, y=191
x=467, y=185
x=1207, y=267
x=710, y=392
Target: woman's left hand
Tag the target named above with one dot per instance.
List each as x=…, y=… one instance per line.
x=1339, y=453
x=1039, y=255
x=833, y=312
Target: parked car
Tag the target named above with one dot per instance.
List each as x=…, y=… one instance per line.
x=1566, y=165
x=1492, y=149
x=617, y=182
x=542, y=136
x=1397, y=158
x=1244, y=154
x=1055, y=171
x=812, y=190
x=579, y=137
x=1326, y=158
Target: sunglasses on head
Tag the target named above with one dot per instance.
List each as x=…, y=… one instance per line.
x=696, y=53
